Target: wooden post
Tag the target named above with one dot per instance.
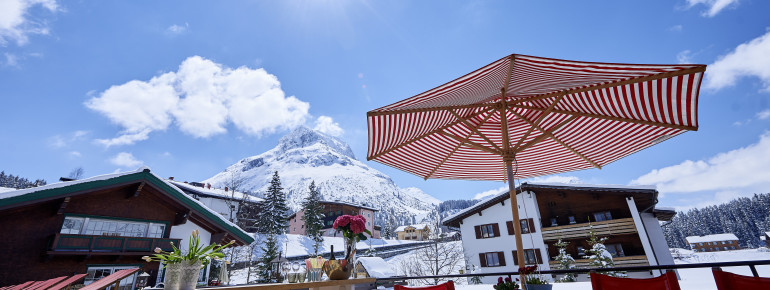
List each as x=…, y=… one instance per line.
x=516, y=223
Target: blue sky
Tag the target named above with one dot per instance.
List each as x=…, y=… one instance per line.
x=188, y=88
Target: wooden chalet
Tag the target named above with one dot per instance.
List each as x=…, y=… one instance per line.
x=100, y=225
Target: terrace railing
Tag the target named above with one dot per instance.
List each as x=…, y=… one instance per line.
x=92, y=244
x=602, y=228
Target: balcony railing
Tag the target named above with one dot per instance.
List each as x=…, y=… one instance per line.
x=628, y=261
x=89, y=244
x=602, y=228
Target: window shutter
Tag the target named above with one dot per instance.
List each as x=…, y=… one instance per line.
x=538, y=257
x=509, y=224
x=531, y=224
x=483, y=259
x=496, y=229
x=515, y=259
x=501, y=258
x=478, y=231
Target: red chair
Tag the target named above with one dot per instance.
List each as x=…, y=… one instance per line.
x=666, y=281
x=446, y=286
x=730, y=281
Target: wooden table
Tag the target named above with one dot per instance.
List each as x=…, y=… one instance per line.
x=350, y=284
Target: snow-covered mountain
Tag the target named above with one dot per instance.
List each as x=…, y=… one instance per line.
x=306, y=155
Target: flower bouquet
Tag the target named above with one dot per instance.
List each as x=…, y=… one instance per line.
x=534, y=281
x=352, y=229
x=506, y=284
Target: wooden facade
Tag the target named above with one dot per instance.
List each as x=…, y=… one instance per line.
x=35, y=247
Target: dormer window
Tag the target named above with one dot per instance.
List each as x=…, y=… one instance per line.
x=572, y=220
x=553, y=222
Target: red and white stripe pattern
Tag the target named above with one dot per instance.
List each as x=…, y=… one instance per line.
x=603, y=112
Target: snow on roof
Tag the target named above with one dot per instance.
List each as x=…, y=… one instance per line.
x=607, y=186
x=417, y=226
x=711, y=238
x=15, y=193
x=216, y=191
x=377, y=267
x=9, y=194
x=4, y=189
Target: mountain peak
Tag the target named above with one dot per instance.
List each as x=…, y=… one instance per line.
x=303, y=137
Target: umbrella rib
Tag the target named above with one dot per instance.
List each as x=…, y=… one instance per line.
x=454, y=150
x=475, y=129
x=537, y=122
x=472, y=144
x=543, y=136
x=431, y=109
x=697, y=69
x=544, y=132
x=612, y=118
x=378, y=155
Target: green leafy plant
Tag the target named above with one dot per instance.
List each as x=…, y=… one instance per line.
x=195, y=252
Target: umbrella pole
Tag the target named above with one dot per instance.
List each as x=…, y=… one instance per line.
x=516, y=223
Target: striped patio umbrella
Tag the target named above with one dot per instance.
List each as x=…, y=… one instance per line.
x=547, y=115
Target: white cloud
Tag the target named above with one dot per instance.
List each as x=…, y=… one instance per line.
x=15, y=22
x=326, y=124
x=676, y=28
x=556, y=179
x=125, y=159
x=763, y=115
x=201, y=98
x=488, y=193
x=714, y=6
x=744, y=169
x=60, y=141
x=747, y=60
x=684, y=57
x=74, y=154
x=178, y=29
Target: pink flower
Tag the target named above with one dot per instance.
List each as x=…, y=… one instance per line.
x=358, y=224
x=342, y=221
x=508, y=279
x=499, y=280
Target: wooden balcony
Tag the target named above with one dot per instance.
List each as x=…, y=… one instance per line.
x=68, y=244
x=603, y=228
x=626, y=261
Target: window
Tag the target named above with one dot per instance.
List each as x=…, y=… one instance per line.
x=492, y=259
x=487, y=231
x=703, y=249
x=700, y=244
x=524, y=226
x=112, y=227
x=581, y=251
x=725, y=248
x=72, y=225
x=96, y=273
x=616, y=250
x=572, y=219
x=553, y=222
x=531, y=257
x=602, y=216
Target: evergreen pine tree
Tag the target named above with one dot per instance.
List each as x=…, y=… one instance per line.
x=274, y=217
x=313, y=218
x=598, y=255
x=269, y=253
x=387, y=230
x=565, y=260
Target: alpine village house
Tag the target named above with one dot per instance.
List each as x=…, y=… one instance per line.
x=549, y=212
x=102, y=224
x=332, y=210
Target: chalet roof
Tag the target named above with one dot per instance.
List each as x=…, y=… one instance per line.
x=416, y=226
x=12, y=199
x=215, y=192
x=644, y=192
x=336, y=202
x=376, y=267
x=711, y=238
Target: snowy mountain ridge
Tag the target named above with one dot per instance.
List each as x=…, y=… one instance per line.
x=306, y=155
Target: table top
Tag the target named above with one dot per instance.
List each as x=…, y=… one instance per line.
x=303, y=285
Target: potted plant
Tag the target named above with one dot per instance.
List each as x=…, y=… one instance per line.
x=352, y=229
x=182, y=269
x=506, y=284
x=534, y=281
